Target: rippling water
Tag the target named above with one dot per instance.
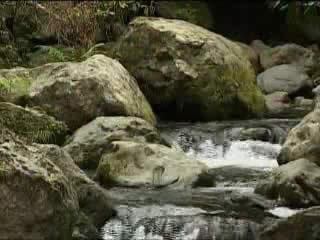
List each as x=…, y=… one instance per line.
x=216, y=148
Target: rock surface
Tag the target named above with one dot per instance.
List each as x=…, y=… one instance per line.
x=287, y=54
x=296, y=184
x=76, y=93
x=303, y=140
x=33, y=125
x=284, y=78
x=279, y=105
x=88, y=143
x=55, y=193
x=35, y=195
x=301, y=226
x=134, y=164
x=201, y=75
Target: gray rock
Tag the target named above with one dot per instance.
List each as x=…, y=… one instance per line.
x=200, y=75
x=287, y=54
x=303, y=140
x=78, y=92
x=135, y=164
x=284, y=78
x=296, y=184
x=279, y=105
x=89, y=142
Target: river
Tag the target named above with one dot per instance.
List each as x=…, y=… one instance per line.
x=239, y=154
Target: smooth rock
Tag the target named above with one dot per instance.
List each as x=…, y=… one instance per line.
x=135, y=164
x=284, y=78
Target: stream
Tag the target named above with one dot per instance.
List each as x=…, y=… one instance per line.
x=239, y=154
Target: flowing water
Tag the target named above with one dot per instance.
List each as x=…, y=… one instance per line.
x=239, y=155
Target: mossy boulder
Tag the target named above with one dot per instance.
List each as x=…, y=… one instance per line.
x=37, y=200
x=88, y=143
x=32, y=125
x=188, y=72
x=44, y=195
x=133, y=164
x=195, y=12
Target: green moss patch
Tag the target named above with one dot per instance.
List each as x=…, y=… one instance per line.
x=34, y=126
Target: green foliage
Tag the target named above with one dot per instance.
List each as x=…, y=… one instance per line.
x=13, y=87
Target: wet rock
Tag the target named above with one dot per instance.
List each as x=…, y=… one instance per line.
x=303, y=140
x=231, y=176
x=88, y=143
x=259, y=46
x=201, y=75
x=295, y=184
x=262, y=134
x=285, y=78
x=301, y=226
x=33, y=125
x=135, y=164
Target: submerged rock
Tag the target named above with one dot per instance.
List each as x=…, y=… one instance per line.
x=89, y=142
x=31, y=124
x=201, y=75
x=135, y=164
x=301, y=226
x=296, y=184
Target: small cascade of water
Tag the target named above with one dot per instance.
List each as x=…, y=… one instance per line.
x=176, y=223
x=230, y=211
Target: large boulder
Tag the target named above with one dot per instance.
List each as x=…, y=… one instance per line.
x=59, y=201
x=76, y=93
x=303, y=140
x=141, y=164
x=295, y=184
x=287, y=54
x=33, y=125
x=195, y=12
x=301, y=226
x=252, y=56
x=36, y=199
x=189, y=72
x=88, y=143
x=285, y=78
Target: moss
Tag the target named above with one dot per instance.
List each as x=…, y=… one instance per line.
x=32, y=125
x=228, y=91
x=14, y=87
